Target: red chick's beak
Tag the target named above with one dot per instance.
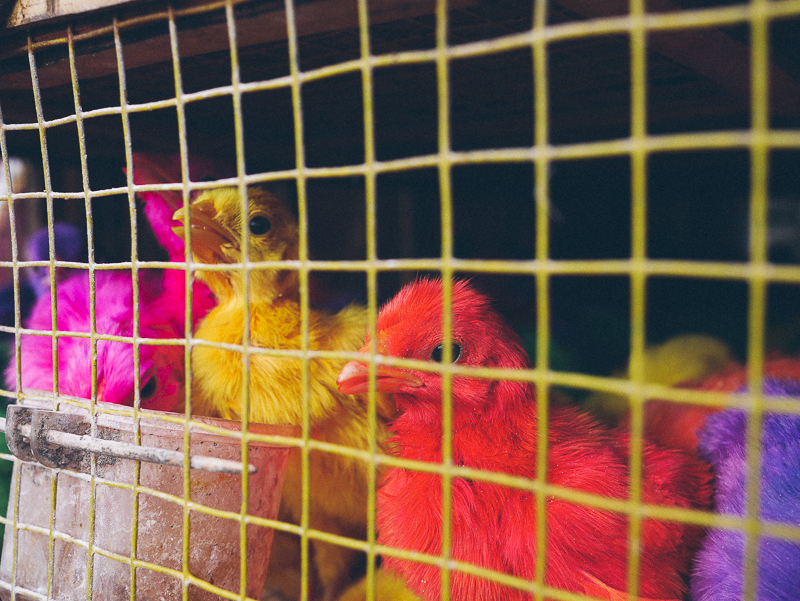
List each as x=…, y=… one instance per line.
x=208, y=236
x=354, y=378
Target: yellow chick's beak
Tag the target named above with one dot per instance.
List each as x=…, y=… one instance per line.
x=208, y=236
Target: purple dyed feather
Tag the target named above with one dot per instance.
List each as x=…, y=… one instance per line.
x=69, y=242
x=718, y=574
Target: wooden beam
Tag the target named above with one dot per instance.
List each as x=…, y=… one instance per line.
x=255, y=28
x=31, y=11
x=709, y=52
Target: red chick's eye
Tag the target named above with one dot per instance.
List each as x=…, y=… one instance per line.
x=438, y=353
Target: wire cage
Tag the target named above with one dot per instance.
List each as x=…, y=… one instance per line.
x=611, y=174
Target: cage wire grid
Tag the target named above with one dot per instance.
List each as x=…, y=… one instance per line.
x=758, y=140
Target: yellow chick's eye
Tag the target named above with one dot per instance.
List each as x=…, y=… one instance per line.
x=259, y=225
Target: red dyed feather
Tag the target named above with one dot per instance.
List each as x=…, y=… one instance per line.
x=678, y=424
x=734, y=377
x=494, y=428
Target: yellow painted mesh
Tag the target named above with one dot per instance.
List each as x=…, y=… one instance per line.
x=760, y=139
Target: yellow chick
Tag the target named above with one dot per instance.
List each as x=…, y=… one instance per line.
x=338, y=489
x=684, y=359
x=388, y=587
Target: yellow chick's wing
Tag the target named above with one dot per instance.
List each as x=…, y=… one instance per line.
x=338, y=488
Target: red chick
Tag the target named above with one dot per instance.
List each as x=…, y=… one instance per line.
x=678, y=424
x=494, y=429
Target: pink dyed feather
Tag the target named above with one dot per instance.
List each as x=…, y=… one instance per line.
x=159, y=207
x=161, y=312
x=161, y=367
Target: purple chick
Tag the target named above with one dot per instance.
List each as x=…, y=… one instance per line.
x=161, y=366
x=718, y=571
x=70, y=245
x=69, y=242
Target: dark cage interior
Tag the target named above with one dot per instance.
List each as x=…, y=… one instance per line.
x=698, y=193
x=698, y=201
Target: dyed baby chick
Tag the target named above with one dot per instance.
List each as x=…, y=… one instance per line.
x=389, y=586
x=494, y=428
x=338, y=484
x=161, y=366
x=686, y=361
x=718, y=572
x=683, y=360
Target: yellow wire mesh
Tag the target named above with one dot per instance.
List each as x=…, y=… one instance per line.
x=759, y=140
